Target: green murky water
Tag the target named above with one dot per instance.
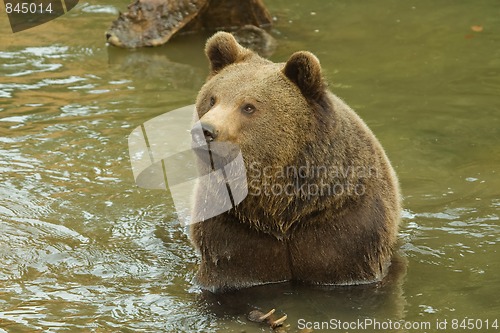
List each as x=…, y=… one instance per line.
x=82, y=249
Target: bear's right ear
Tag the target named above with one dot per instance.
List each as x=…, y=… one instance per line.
x=223, y=50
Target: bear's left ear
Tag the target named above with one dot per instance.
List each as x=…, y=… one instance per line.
x=222, y=50
x=304, y=69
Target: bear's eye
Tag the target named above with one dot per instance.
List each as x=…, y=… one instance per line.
x=248, y=108
x=212, y=101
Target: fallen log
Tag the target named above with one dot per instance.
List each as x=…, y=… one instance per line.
x=154, y=22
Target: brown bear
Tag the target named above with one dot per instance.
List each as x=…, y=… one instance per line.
x=323, y=203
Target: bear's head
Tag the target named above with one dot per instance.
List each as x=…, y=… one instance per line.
x=270, y=110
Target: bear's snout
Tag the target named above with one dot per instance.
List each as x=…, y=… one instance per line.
x=209, y=133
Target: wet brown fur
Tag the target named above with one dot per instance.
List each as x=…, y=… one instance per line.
x=340, y=238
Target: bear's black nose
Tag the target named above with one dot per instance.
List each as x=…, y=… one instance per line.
x=209, y=132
